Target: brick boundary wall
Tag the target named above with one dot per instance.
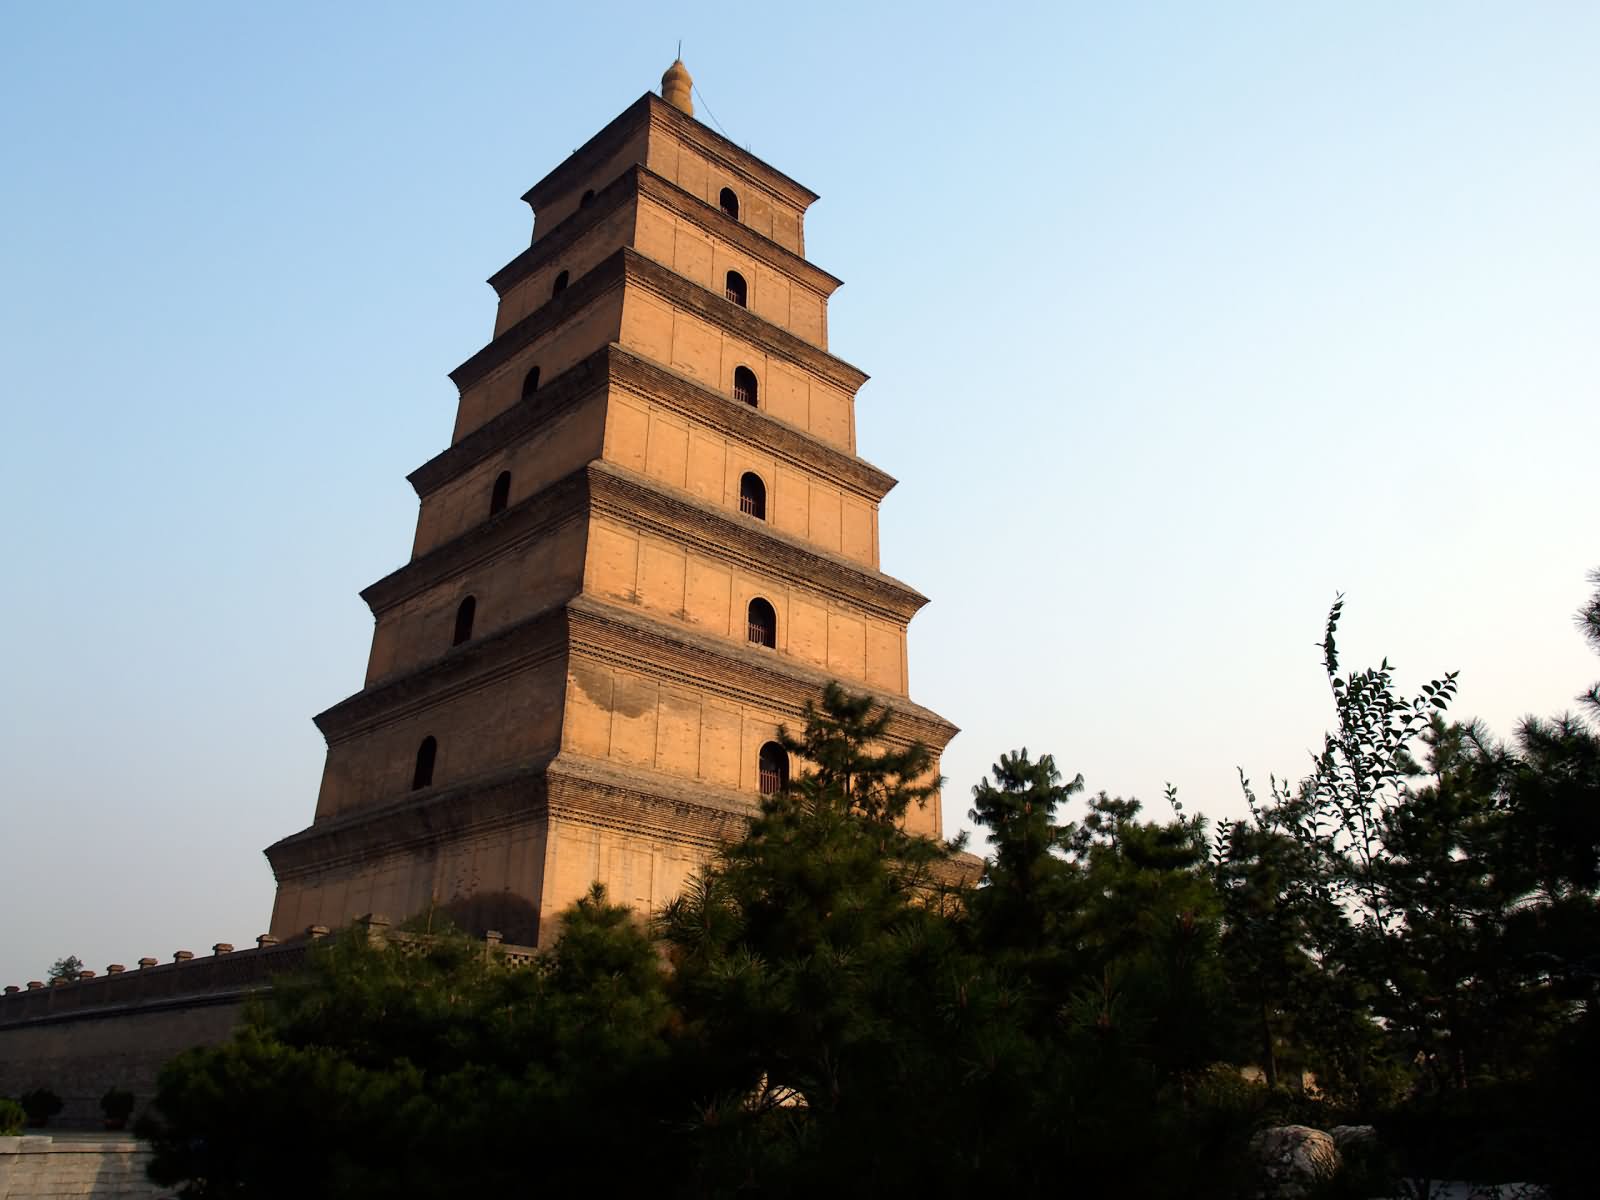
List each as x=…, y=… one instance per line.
x=81, y=1038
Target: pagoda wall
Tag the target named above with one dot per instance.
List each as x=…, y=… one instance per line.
x=696, y=252
x=657, y=327
x=580, y=323
x=522, y=578
x=693, y=712
x=657, y=441
x=563, y=442
x=564, y=202
x=674, y=157
x=651, y=215
x=490, y=877
x=679, y=583
x=616, y=217
x=494, y=718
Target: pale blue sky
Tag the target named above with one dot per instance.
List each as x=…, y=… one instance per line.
x=1181, y=318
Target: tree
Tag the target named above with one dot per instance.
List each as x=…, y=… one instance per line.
x=411, y=1069
x=822, y=985
x=1025, y=878
x=1443, y=886
x=1589, y=624
x=69, y=967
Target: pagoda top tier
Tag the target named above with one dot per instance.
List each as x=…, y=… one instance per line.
x=679, y=148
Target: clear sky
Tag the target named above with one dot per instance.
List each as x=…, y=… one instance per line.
x=1181, y=319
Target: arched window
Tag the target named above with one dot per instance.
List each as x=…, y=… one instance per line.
x=586, y=199
x=763, y=623
x=752, y=495
x=729, y=203
x=736, y=290
x=560, y=284
x=464, y=615
x=501, y=493
x=745, y=386
x=772, y=770
x=530, y=383
x=423, y=776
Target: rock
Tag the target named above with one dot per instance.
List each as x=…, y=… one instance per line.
x=1353, y=1137
x=1293, y=1160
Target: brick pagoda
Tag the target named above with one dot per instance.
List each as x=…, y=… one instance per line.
x=648, y=544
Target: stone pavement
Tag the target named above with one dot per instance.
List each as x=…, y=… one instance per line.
x=100, y=1165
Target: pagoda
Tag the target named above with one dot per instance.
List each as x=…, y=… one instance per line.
x=648, y=545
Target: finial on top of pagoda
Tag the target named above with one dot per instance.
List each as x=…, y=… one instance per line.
x=675, y=87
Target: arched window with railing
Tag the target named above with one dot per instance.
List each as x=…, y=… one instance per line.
x=735, y=289
x=745, y=386
x=728, y=202
x=500, y=494
x=467, y=609
x=423, y=776
x=772, y=769
x=762, y=623
x=752, y=496
x=530, y=382
x=560, y=284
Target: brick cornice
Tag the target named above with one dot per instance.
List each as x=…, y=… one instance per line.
x=633, y=641
x=627, y=638
x=639, y=180
x=607, y=276
x=724, y=313
x=651, y=109
x=756, y=546
x=640, y=502
x=566, y=787
x=534, y=517
x=559, y=240
x=651, y=381
x=460, y=671
x=628, y=266
x=736, y=233
x=493, y=800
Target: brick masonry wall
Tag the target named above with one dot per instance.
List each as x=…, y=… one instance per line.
x=82, y=1057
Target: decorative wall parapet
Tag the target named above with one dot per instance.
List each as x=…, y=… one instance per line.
x=224, y=973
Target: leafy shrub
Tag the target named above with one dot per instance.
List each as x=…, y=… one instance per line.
x=117, y=1104
x=12, y=1117
x=40, y=1104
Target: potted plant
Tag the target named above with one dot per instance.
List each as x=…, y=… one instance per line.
x=11, y=1117
x=116, y=1105
x=40, y=1104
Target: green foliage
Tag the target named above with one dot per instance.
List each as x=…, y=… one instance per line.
x=12, y=1117
x=117, y=1104
x=398, y=1072
x=40, y=1104
x=69, y=967
x=1439, y=888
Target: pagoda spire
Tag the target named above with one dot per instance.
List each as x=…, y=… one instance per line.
x=676, y=85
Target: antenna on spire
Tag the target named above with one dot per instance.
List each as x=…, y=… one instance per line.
x=680, y=49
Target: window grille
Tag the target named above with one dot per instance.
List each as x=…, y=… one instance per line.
x=753, y=496
x=773, y=770
x=745, y=387
x=762, y=621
